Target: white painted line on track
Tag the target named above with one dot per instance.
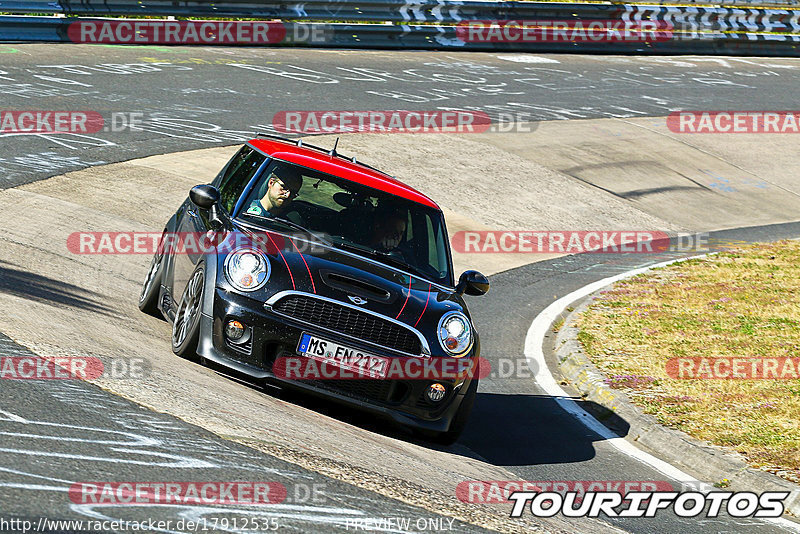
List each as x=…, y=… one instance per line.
x=520, y=58
x=534, y=341
x=13, y=417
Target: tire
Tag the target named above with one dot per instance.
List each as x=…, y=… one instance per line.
x=460, y=420
x=186, y=326
x=151, y=288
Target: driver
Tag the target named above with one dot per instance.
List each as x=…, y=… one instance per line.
x=283, y=185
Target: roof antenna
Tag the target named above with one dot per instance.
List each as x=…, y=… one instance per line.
x=299, y=142
x=333, y=150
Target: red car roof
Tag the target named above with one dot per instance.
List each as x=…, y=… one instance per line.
x=337, y=166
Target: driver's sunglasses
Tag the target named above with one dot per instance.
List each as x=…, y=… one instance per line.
x=283, y=187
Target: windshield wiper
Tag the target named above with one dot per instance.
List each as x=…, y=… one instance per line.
x=304, y=229
x=383, y=256
x=292, y=224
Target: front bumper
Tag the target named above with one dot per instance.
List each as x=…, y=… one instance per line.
x=272, y=335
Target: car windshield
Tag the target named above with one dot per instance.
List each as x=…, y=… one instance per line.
x=352, y=217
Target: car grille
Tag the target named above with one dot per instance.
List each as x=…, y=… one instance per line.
x=348, y=321
x=368, y=390
x=244, y=348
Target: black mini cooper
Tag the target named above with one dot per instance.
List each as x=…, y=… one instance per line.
x=309, y=270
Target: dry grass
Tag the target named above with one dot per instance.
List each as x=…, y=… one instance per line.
x=741, y=303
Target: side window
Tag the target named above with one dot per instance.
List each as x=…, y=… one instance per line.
x=437, y=255
x=237, y=175
x=224, y=172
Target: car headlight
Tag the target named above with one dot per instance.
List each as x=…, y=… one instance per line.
x=247, y=269
x=455, y=333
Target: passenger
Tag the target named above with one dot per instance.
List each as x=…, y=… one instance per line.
x=388, y=230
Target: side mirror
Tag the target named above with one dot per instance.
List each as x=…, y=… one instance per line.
x=472, y=283
x=204, y=196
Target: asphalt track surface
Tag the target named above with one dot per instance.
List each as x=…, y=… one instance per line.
x=199, y=97
x=558, y=446
x=191, y=98
x=93, y=436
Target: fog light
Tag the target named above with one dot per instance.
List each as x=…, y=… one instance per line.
x=234, y=330
x=436, y=392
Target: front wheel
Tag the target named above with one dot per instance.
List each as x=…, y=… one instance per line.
x=186, y=327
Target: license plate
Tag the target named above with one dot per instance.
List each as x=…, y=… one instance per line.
x=343, y=357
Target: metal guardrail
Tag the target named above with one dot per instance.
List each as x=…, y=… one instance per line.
x=443, y=11
x=439, y=24
x=32, y=6
x=408, y=11
x=245, y=8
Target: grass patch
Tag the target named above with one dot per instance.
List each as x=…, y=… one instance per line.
x=741, y=303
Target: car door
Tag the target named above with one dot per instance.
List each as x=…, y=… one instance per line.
x=194, y=223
